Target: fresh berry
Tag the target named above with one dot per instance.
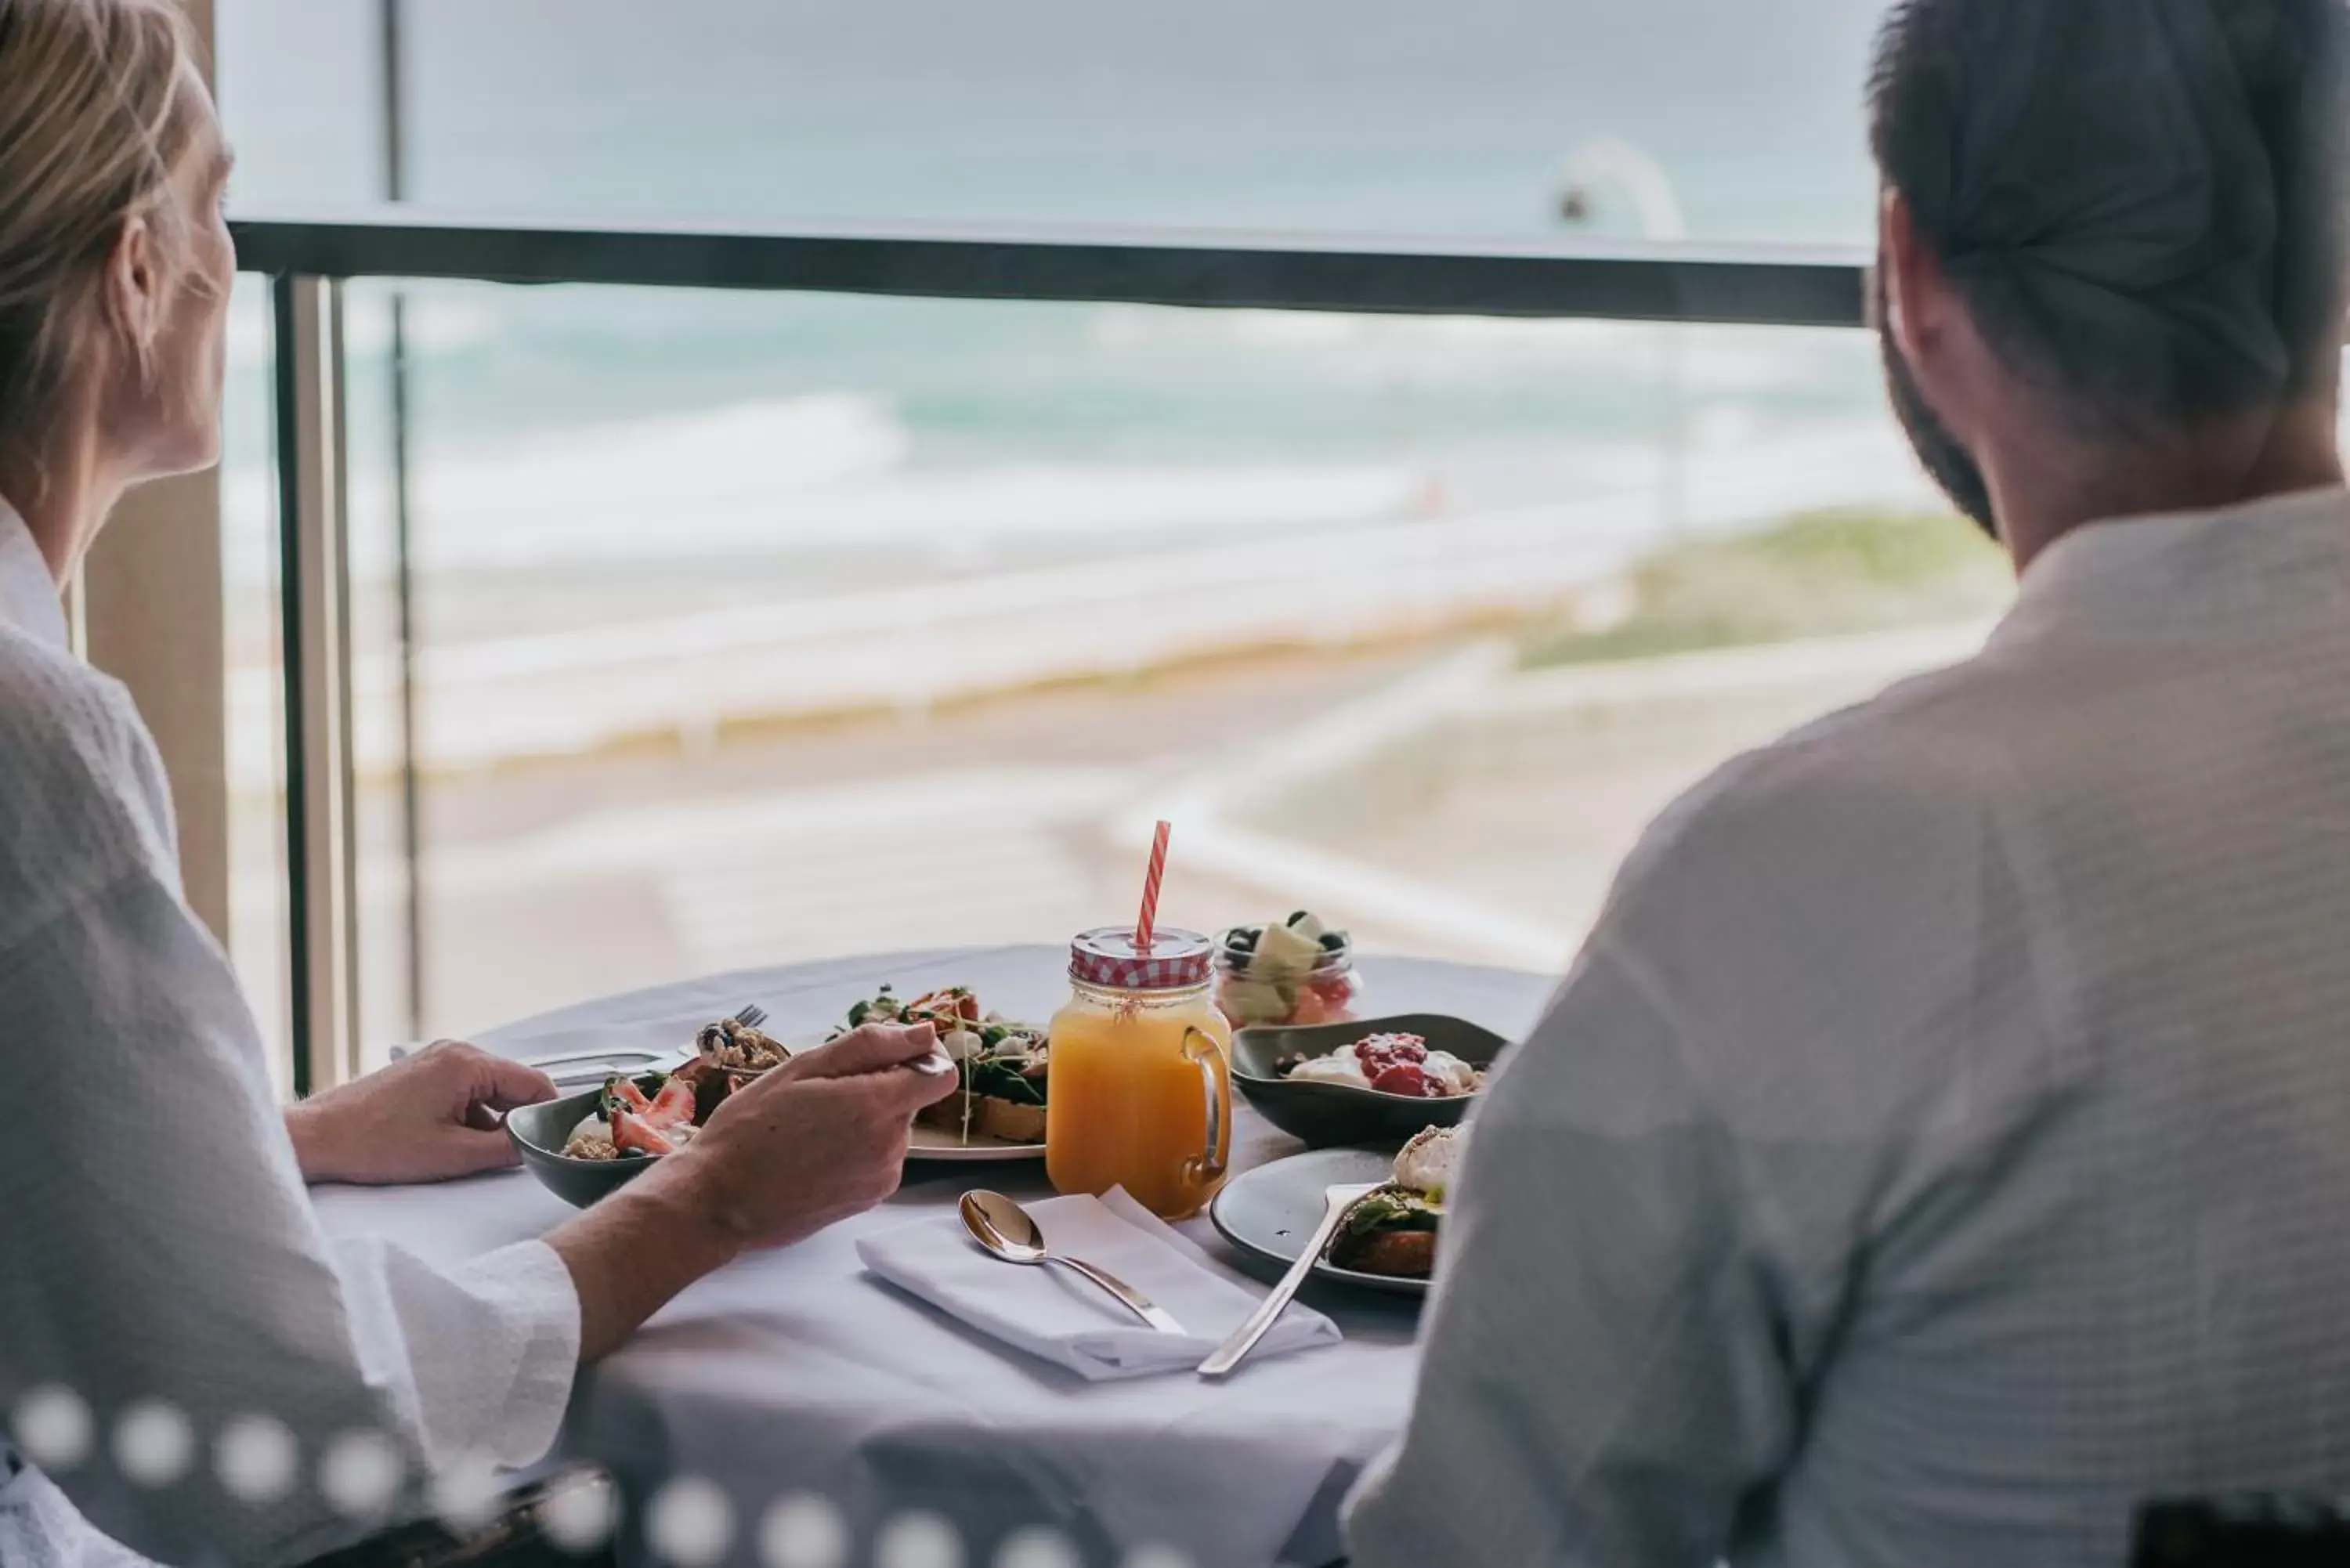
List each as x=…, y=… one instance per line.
x=1406, y=1078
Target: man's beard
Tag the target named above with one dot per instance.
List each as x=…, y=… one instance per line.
x=1946, y=461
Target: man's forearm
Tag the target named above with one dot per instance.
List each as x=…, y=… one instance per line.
x=631, y=1252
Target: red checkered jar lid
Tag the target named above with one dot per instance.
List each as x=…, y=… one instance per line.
x=1177, y=960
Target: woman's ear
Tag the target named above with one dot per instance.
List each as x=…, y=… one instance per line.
x=134, y=290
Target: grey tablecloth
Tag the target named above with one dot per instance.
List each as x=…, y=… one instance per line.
x=795, y=1373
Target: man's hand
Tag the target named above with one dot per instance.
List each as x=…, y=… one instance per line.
x=814, y=1141
x=427, y=1118
x=817, y=1139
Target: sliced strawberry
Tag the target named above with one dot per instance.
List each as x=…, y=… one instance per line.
x=1406, y=1078
x=673, y=1106
x=631, y=1135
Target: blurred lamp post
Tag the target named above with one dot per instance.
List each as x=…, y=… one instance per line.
x=1609, y=161
x=1608, y=164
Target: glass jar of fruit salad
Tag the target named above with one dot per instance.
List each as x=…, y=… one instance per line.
x=1287, y=974
x=1141, y=1092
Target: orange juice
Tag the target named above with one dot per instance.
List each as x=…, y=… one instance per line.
x=1141, y=1092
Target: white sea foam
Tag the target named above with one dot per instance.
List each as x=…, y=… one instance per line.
x=843, y=469
x=1446, y=350
x=813, y=472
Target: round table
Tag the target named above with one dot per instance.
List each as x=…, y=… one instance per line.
x=794, y=1374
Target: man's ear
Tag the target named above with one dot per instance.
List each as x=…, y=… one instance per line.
x=134, y=286
x=1916, y=294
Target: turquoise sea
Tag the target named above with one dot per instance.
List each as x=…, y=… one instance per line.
x=546, y=421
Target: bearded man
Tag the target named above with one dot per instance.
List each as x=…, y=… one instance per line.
x=1942, y=1144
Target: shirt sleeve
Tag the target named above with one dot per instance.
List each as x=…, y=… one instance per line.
x=1602, y=1381
x=161, y=1246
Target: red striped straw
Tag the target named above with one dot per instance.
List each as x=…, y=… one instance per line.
x=1144, y=928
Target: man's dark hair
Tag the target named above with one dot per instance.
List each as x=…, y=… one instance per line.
x=2141, y=202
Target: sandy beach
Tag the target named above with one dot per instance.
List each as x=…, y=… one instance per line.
x=1007, y=820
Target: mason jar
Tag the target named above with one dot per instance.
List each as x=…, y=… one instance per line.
x=1140, y=1093
x=1332, y=993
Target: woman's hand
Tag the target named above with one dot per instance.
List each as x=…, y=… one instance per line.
x=427, y=1118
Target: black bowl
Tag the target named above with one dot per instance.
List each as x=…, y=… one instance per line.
x=1327, y=1114
x=539, y=1132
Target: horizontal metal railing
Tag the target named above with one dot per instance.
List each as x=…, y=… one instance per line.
x=309, y=258
x=1785, y=287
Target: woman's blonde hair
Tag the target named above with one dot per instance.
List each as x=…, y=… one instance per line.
x=94, y=117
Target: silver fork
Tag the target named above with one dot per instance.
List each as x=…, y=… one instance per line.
x=578, y=1066
x=1336, y=1201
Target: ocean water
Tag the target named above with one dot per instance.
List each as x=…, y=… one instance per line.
x=809, y=436
x=664, y=466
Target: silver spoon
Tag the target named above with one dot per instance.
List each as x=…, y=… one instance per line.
x=1004, y=1229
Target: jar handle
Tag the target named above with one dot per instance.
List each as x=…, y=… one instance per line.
x=1199, y=1047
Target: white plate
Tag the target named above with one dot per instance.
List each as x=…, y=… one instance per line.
x=939, y=1143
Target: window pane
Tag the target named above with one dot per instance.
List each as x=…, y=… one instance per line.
x=256, y=712
x=1336, y=115
x=759, y=628
x=300, y=93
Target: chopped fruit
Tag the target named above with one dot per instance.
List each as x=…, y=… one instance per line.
x=1313, y=1007
x=1378, y=1051
x=621, y=1094
x=673, y=1106
x=626, y=1120
x=630, y=1135
x=1284, y=952
x=1335, y=991
x=1406, y=1078
x=1392, y=1064
x=1290, y=973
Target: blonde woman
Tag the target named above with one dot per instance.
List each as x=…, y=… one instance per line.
x=155, y=1240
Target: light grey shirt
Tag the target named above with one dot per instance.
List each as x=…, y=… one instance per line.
x=156, y=1243
x=1943, y=1143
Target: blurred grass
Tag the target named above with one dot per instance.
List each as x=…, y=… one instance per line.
x=1815, y=575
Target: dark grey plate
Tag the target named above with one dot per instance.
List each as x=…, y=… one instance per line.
x=1270, y=1213
x=539, y=1133
x=1324, y=1114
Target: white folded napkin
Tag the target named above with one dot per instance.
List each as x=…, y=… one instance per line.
x=1055, y=1314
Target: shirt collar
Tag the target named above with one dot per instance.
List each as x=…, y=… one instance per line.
x=28, y=595
x=2261, y=563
